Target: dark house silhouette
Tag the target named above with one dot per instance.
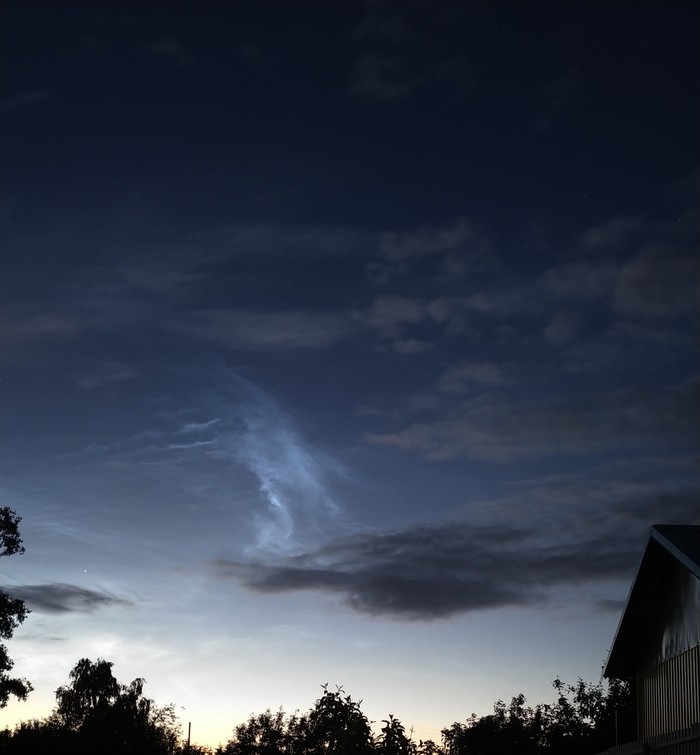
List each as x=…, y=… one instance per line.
x=657, y=644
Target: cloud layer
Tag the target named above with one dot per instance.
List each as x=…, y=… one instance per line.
x=500, y=428
x=64, y=598
x=432, y=572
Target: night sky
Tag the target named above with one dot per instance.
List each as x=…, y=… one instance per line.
x=343, y=342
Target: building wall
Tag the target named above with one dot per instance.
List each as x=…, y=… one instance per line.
x=668, y=695
x=672, y=624
x=684, y=742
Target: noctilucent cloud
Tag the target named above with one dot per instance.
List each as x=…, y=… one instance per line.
x=348, y=343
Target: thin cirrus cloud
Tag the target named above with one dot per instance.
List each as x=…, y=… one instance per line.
x=491, y=426
x=651, y=283
x=106, y=373
x=663, y=337
x=623, y=343
x=259, y=331
x=25, y=100
x=171, y=49
x=562, y=328
x=390, y=314
x=390, y=76
x=659, y=282
x=384, y=76
x=431, y=241
x=23, y=324
x=614, y=233
x=177, y=265
x=462, y=376
x=28, y=331
x=398, y=58
x=580, y=279
x=451, y=250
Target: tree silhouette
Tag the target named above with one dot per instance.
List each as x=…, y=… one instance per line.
x=108, y=717
x=268, y=734
x=580, y=722
x=393, y=739
x=337, y=726
x=89, y=695
x=12, y=610
x=334, y=726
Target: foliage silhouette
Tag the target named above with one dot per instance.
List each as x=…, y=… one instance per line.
x=393, y=739
x=95, y=713
x=267, y=734
x=13, y=611
x=580, y=722
x=334, y=726
x=89, y=696
x=338, y=726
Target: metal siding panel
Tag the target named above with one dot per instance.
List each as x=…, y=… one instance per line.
x=682, y=742
x=641, y=720
x=669, y=695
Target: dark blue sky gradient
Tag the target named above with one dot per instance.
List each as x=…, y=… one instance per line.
x=343, y=342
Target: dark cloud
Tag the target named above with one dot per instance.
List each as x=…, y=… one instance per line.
x=587, y=532
x=434, y=572
x=678, y=505
x=63, y=598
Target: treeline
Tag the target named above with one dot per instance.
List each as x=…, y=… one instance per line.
x=585, y=719
x=97, y=715
x=94, y=713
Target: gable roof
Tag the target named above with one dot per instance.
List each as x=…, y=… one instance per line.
x=681, y=541
x=667, y=543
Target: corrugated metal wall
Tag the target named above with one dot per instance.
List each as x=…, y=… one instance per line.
x=684, y=742
x=668, y=695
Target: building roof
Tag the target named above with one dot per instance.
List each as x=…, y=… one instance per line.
x=668, y=544
x=681, y=541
